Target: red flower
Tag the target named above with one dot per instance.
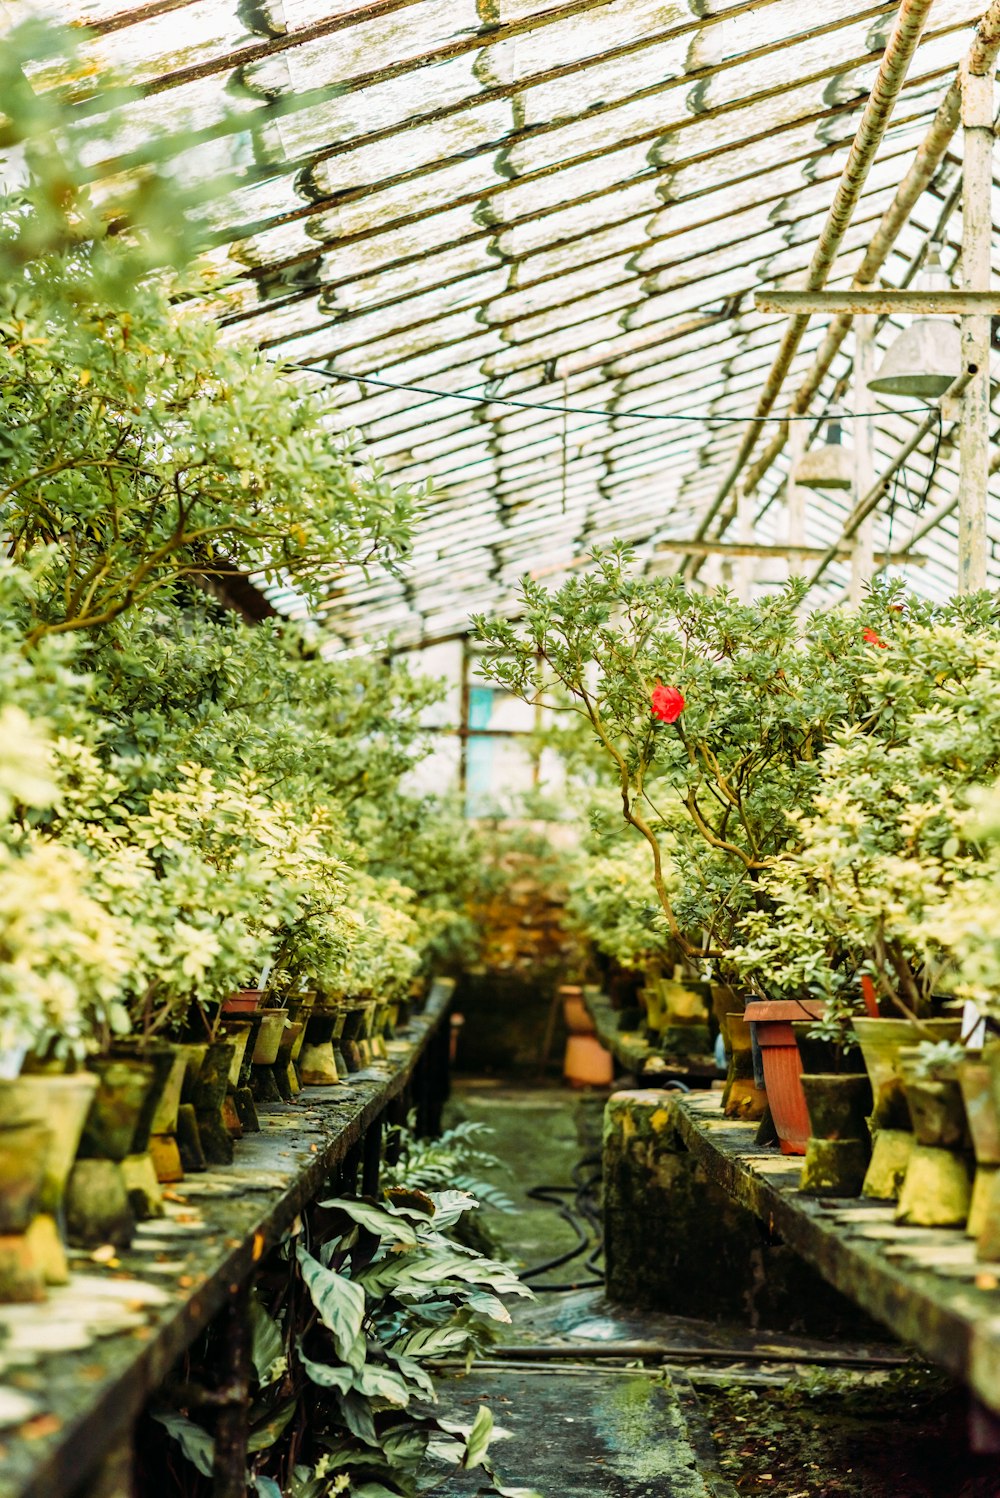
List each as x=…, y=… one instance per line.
x=667, y=703
x=872, y=637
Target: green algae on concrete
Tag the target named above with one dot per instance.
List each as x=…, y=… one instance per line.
x=639, y=1420
x=675, y=1241
x=590, y=1434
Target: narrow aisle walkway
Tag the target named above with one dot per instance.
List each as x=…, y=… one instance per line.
x=576, y=1430
x=606, y=1402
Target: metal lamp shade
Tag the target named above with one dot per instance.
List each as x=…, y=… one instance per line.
x=923, y=360
x=828, y=467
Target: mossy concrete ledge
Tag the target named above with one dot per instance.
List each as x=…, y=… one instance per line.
x=676, y=1242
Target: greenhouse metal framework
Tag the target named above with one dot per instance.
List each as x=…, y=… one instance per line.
x=520, y=240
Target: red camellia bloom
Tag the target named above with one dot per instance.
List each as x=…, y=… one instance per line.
x=872, y=637
x=667, y=703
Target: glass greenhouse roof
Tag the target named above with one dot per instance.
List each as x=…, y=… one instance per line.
x=514, y=205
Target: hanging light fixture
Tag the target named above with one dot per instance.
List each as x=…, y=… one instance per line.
x=926, y=357
x=829, y=466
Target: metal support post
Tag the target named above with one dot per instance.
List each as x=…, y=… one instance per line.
x=863, y=557
x=371, y=1160
x=232, y=1431
x=974, y=445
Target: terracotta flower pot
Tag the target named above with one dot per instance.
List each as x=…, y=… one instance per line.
x=243, y=1001
x=771, y=1021
x=575, y=1014
x=587, y=1063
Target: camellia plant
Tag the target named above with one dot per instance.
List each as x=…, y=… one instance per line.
x=712, y=714
x=884, y=852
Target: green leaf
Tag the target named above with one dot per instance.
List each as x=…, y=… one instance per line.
x=431, y=1341
x=449, y=1206
x=267, y=1347
x=196, y=1443
x=339, y=1301
x=478, y=1440
x=357, y=1413
x=384, y=1383
x=265, y=1435
x=327, y=1376
x=386, y=1222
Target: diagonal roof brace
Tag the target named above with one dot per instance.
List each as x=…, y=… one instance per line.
x=981, y=56
x=896, y=59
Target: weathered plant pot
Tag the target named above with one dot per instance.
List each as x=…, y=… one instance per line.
x=838, y=1148
x=891, y=1151
x=687, y=1003
x=26, y=1144
x=352, y=1035
x=163, y=1146
x=62, y=1104
x=976, y=1081
x=937, y=1191
x=881, y=1041
x=771, y=1022
x=122, y=1108
x=299, y=1009
x=317, y=1064
x=741, y=1097
x=272, y=1027
x=208, y=1096
x=284, y=1072
x=101, y=1202
x=937, y=1112
x=838, y=1105
x=242, y=1033
x=824, y=1058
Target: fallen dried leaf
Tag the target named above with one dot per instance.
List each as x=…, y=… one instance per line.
x=40, y=1426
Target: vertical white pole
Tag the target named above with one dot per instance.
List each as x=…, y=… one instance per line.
x=863, y=551
x=974, y=448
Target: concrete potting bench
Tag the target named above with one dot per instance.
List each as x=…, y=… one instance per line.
x=725, y=1231
x=81, y=1369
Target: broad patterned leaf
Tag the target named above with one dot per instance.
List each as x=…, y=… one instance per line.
x=339, y=1301
x=327, y=1376
x=478, y=1442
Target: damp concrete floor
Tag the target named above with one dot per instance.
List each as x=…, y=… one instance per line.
x=721, y=1411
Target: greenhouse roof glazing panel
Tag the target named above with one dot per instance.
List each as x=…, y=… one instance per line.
x=562, y=203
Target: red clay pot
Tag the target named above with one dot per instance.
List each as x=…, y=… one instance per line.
x=243, y=1001
x=772, y=1022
